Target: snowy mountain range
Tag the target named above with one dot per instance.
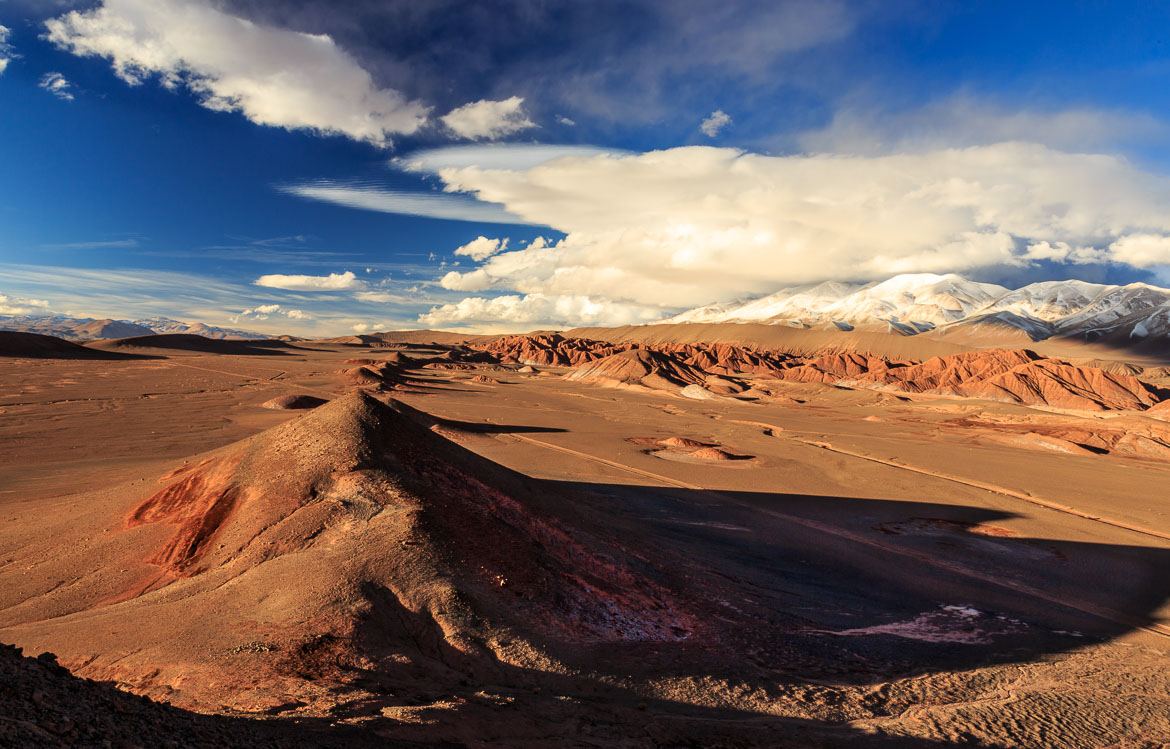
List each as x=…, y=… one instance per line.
x=88, y=329
x=953, y=307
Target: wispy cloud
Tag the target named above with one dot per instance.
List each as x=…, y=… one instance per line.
x=509, y=156
x=431, y=205
x=56, y=85
x=94, y=245
x=136, y=293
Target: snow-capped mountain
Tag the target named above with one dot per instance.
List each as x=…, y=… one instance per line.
x=951, y=305
x=163, y=325
x=87, y=328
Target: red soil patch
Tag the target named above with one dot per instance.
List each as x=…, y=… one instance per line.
x=197, y=505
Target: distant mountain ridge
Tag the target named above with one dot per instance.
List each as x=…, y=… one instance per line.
x=950, y=306
x=89, y=329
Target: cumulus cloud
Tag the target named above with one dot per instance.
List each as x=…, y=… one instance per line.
x=6, y=50
x=510, y=311
x=690, y=226
x=12, y=305
x=272, y=76
x=265, y=311
x=488, y=120
x=56, y=85
x=481, y=248
x=332, y=282
x=715, y=123
x=1142, y=250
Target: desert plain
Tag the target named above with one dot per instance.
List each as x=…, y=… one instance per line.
x=597, y=538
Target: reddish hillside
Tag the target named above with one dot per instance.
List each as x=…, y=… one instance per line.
x=1016, y=376
x=347, y=544
x=640, y=367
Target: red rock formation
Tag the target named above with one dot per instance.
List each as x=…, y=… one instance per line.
x=1012, y=375
x=640, y=367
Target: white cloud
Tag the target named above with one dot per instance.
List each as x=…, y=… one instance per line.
x=56, y=85
x=513, y=312
x=332, y=282
x=92, y=245
x=566, y=121
x=715, y=123
x=1142, y=250
x=11, y=305
x=481, y=248
x=488, y=120
x=384, y=297
x=265, y=311
x=1063, y=252
x=383, y=200
x=6, y=50
x=690, y=226
x=136, y=294
x=512, y=156
x=272, y=76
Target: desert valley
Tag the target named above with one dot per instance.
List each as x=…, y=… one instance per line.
x=564, y=374
x=711, y=534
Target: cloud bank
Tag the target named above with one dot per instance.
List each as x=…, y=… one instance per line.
x=510, y=312
x=688, y=226
x=272, y=76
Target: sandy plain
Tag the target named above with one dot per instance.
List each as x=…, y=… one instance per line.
x=865, y=571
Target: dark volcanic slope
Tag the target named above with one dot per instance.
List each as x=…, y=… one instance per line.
x=36, y=346
x=44, y=705
x=188, y=342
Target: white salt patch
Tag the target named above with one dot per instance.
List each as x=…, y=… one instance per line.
x=954, y=624
x=963, y=610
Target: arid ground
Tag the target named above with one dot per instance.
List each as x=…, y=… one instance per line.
x=456, y=546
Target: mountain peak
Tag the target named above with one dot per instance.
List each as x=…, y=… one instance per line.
x=913, y=303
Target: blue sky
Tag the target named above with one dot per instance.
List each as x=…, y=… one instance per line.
x=313, y=168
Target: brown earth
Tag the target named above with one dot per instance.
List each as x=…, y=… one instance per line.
x=15, y=344
x=511, y=570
